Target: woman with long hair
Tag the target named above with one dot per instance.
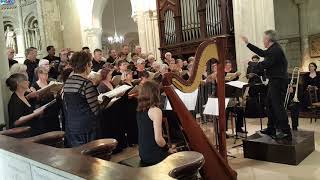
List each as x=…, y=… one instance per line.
x=152, y=146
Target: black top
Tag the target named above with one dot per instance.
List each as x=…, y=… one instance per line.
x=137, y=74
x=53, y=73
x=149, y=151
x=275, y=61
x=311, y=81
x=12, y=62
x=51, y=113
x=253, y=68
x=96, y=66
x=17, y=108
x=31, y=66
x=110, y=60
x=52, y=59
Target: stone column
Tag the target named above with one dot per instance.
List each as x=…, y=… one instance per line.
x=148, y=30
x=249, y=21
x=4, y=64
x=303, y=31
x=20, y=32
x=94, y=38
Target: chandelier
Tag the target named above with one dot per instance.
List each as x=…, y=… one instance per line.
x=115, y=39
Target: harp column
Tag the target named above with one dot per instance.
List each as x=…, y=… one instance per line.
x=251, y=22
x=4, y=92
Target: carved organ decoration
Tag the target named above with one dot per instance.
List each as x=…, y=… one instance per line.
x=185, y=24
x=169, y=28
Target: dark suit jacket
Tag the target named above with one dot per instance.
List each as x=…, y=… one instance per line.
x=275, y=61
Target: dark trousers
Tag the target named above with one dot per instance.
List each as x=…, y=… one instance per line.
x=294, y=111
x=77, y=139
x=239, y=116
x=277, y=115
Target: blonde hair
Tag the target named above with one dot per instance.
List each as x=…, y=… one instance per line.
x=18, y=69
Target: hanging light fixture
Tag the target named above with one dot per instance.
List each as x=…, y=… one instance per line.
x=115, y=39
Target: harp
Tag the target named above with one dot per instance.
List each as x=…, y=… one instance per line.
x=216, y=165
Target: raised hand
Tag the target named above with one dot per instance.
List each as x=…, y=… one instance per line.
x=244, y=39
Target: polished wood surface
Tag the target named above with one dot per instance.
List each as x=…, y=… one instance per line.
x=97, y=169
x=54, y=138
x=101, y=148
x=19, y=132
x=216, y=165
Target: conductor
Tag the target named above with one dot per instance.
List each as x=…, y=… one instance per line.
x=275, y=64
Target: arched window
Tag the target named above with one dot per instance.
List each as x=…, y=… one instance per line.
x=32, y=33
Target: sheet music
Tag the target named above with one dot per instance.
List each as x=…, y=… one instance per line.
x=212, y=106
x=237, y=84
x=189, y=99
x=115, y=92
x=53, y=86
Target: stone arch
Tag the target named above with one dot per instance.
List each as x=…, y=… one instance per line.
x=32, y=32
x=10, y=21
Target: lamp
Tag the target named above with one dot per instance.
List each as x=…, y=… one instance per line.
x=115, y=39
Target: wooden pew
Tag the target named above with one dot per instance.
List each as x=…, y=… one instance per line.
x=101, y=148
x=70, y=165
x=19, y=132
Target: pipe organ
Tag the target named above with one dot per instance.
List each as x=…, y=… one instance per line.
x=185, y=24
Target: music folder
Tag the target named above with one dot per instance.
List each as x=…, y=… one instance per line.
x=237, y=84
x=119, y=91
x=52, y=87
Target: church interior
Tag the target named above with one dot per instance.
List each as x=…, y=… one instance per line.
x=159, y=89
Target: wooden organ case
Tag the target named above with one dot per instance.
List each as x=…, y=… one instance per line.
x=185, y=24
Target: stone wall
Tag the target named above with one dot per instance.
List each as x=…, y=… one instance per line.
x=70, y=24
x=291, y=26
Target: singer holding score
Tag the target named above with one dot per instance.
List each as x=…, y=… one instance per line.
x=276, y=65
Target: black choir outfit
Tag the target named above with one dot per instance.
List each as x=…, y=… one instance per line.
x=12, y=62
x=309, y=81
x=50, y=117
x=81, y=109
x=96, y=66
x=276, y=66
x=31, y=66
x=17, y=108
x=149, y=151
x=111, y=60
x=255, y=104
x=113, y=120
x=55, y=61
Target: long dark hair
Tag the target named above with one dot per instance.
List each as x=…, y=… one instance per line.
x=149, y=96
